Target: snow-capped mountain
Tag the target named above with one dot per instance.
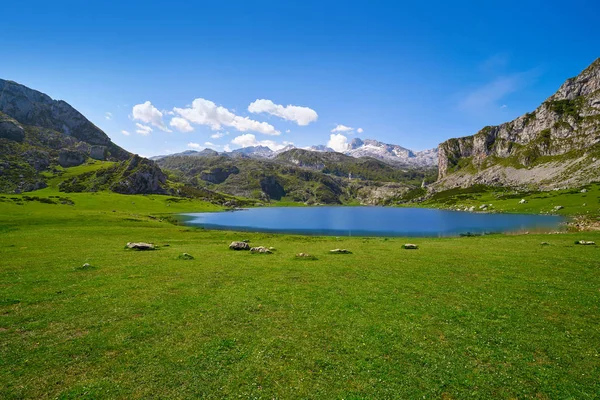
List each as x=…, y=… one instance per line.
x=390, y=153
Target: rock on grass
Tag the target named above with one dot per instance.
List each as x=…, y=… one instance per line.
x=239, y=246
x=140, y=246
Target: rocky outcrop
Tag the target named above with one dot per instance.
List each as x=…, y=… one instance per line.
x=140, y=176
x=10, y=129
x=71, y=158
x=566, y=124
x=218, y=174
x=33, y=108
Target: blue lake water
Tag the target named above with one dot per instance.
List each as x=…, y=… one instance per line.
x=370, y=221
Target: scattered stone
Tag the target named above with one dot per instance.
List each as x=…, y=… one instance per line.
x=558, y=208
x=84, y=267
x=140, y=246
x=260, y=249
x=545, y=244
x=306, y=256
x=483, y=206
x=239, y=246
x=472, y=208
x=585, y=242
x=186, y=256
x=246, y=240
x=340, y=251
x=410, y=246
x=272, y=248
x=583, y=190
x=522, y=201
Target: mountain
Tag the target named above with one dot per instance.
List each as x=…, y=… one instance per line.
x=40, y=136
x=300, y=175
x=189, y=153
x=321, y=148
x=556, y=145
x=392, y=153
x=389, y=153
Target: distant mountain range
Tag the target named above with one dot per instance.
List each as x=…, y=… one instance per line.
x=389, y=153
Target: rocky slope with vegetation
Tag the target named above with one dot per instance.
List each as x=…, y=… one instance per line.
x=556, y=145
x=300, y=176
x=39, y=137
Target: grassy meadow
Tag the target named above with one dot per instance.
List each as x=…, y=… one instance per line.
x=496, y=316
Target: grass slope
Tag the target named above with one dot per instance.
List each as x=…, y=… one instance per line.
x=481, y=317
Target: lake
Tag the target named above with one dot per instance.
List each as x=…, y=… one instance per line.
x=370, y=221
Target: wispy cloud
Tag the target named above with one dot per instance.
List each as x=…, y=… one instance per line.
x=108, y=116
x=489, y=94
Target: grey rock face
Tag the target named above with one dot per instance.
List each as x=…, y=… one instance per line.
x=98, y=152
x=10, y=129
x=71, y=158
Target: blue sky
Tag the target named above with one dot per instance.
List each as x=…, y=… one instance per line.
x=413, y=73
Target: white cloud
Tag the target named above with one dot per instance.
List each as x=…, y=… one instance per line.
x=226, y=148
x=249, y=139
x=143, y=129
x=342, y=128
x=205, y=112
x=211, y=144
x=360, y=130
x=338, y=142
x=149, y=114
x=192, y=145
x=287, y=131
x=181, y=124
x=218, y=135
x=108, y=116
x=300, y=115
x=124, y=132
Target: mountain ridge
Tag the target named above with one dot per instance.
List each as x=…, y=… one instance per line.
x=557, y=144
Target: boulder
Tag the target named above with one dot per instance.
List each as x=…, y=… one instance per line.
x=522, y=201
x=260, y=249
x=558, y=208
x=410, y=246
x=71, y=158
x=586, y=242
x=239, y=246
x=186, y=256
x=140, y=246
x=340, y=251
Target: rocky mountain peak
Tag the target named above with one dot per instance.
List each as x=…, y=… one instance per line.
x=33, y=108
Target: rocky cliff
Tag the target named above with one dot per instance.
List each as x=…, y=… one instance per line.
x=558, y=144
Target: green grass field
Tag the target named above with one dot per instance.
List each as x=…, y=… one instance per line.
x=478, y=317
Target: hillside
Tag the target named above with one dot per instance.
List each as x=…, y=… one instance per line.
x=556, y=145
x=40, y=137
x=300, y=176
